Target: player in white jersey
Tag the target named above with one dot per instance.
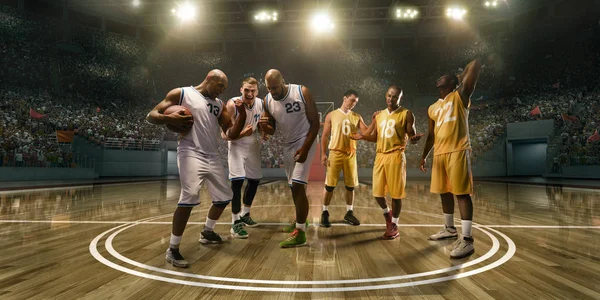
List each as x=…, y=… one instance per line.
x=244, y=158
x=197, y=154
x=291, y=110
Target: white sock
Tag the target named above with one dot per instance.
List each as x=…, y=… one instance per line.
x=325, y=207
x=349, y=207
x=466, y=227
x=386, y=210
x=175, y=240
x=235, y=217
x=395, y=220
x=449, y=220
x=245, y=210
x=210, y=224
x=301, y=226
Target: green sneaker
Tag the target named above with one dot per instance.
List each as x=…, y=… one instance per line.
x=237, y=230
x=292, y=226
x=248, y=221
x=297, y=239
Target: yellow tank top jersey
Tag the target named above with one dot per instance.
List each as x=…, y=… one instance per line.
x=342, y=126
x=391, y=130
x=451, y=124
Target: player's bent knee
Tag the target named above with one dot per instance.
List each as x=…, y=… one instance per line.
x=349, y=188
x=329, y=188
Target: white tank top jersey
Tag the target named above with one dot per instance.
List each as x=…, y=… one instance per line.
x=252, y=116
x=202, y=138
x=289, y=114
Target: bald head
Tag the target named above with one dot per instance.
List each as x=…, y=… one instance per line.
x=216, y=74
x=273, y=74
x=216, y=82
x=275, y=84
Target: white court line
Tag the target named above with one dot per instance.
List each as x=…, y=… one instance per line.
x=70, y=222
x=541, y=226
x=83, y=185
x=108, y=244
x=94, y=251
x=40, y=189
x=565, y=186
x=311, y=225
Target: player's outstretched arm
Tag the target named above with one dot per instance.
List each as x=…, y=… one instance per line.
x=367, y=133
x=156, y=117
x=370, y=137
x=233, y=129
x=428, y=144
x=362, y=126
x=411, y=129
x=468, y=80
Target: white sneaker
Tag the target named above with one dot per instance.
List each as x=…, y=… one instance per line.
x=176, y=259
x=463, y=248
x=446, y=233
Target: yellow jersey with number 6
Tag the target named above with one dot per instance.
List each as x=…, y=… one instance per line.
x=451, y=119
x=391, y=130
x=343, y=125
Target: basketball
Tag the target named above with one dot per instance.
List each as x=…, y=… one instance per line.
x=173, y=110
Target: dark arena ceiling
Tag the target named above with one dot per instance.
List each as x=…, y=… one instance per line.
x=231, y=20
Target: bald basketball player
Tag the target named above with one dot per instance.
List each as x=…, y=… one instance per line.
x=197, y=154
x=395, y=125
x=291, y=110
x=451, y=170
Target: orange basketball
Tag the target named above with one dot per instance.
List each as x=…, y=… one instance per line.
x=174, y=109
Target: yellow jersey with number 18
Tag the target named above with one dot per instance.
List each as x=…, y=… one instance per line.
x=451, y=119
x=342, y=126
x=391, y=130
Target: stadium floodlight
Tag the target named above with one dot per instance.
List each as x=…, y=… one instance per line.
x=321, y=22
x=406, y=13
x=456, y=13
x=185, y=12
x=491, y=4
x=136, y=3
x=265, y=16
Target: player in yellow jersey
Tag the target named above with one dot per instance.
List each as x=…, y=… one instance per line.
x=392, y=128
x=341, y=124
x=451, y=170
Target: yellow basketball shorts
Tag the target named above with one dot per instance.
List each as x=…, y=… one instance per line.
x=389, y=175
x=340, y=161
x=451, y=173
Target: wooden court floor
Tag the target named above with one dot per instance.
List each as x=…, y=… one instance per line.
x=109, y=241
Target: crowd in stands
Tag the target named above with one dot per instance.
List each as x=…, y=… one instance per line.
x=106, y=84
x=25, y=141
